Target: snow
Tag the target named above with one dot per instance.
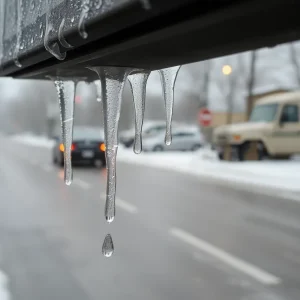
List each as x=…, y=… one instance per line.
x=279, y=178
x=33, y=140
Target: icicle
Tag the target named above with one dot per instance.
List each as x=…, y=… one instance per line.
x=112, y=84
x=108, y=246
x=61, y=37
x=51, y=47
x=2, y=19
x=19, y=33
x=168, y=77
x=83, y=16
x=138, y=83
x=98, y=90
x=66, y=93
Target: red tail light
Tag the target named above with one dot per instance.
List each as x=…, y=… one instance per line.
x=62, y=147
x=102, y=147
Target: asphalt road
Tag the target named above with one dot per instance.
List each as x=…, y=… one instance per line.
x=175, y=236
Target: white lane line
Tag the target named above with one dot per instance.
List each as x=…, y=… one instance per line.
x=47, y=168
x=123, y=205
x=81, y=183
x=4, y=292
x=234, y=262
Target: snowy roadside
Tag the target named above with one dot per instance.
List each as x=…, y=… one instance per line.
x=279, y=178
x=33, y=140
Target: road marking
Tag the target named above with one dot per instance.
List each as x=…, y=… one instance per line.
x=81, y=183
x=235, y=262
x=47, y=168
x=4, y=292
x=123, y=204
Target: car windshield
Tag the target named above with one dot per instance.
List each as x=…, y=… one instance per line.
x=92, y=133
x=264, y=113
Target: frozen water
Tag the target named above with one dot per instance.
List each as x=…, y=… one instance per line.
x=168, y=77
x=61, y=37
x=66, y=94
x=2, y=19
x=83, y=16
x=51, y=47
x=138, y=84
x=98, y=90
x=108, y=246
x=19, y=33
x=112, y=84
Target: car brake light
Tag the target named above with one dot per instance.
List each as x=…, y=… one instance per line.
x=102, y=147
x=62, y=147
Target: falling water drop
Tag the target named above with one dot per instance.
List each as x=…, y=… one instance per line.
x=108, y=246
x=112, y=84
x=19, y=33
x=61, y=37
x=51, y=47
x=168, y=77
x=83, y=16
x=66, y=94
x=138, y=83
x=98, y=90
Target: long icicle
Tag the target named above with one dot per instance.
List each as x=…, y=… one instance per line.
x=66, y=95
x=168, y=77
x=138, y=84
x=112, y=84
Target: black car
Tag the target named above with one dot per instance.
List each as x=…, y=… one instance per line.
x=88, y=147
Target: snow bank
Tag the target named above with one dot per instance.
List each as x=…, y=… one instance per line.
x=33, y=140
x=270, y=177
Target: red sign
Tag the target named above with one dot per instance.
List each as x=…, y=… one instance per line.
x=204, y=117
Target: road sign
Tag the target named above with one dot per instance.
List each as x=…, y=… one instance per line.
x=204, y=117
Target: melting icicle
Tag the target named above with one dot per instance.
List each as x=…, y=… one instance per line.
x=98, y=90
x=19, y=33
x=51, y=47
x=108, y=246
x=168, y=77
x=138, y=83
x=112, y=84
x=2, y=19
x=66, y=93
x=61, y=37
x=83, y=16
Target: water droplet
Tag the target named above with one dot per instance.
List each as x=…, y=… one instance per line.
x=66, y=97
x=138, y=83
x=61, y=37
x=84, y=14
x=98, y=4
x=32, y=6
x=168, y=77
x=108, y=246
x=98, y=90
x=112, y=84
x=72, y=19
x=51, y=47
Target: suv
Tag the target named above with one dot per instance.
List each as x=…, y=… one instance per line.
x=273, y=130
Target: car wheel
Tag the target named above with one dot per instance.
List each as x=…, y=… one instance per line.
x=158, y=148
x=196, y=147
x=262, y=152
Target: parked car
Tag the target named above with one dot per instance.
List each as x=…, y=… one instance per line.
x=273, y=130
x=87, y=147
x=184, y=139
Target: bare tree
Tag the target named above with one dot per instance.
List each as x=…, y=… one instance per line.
x=251, y=82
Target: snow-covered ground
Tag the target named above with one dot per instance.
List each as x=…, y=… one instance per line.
x=33, y=140
x=269, y=177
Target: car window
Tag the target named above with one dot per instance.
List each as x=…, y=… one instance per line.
x=264, y=113
x=290, y=113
